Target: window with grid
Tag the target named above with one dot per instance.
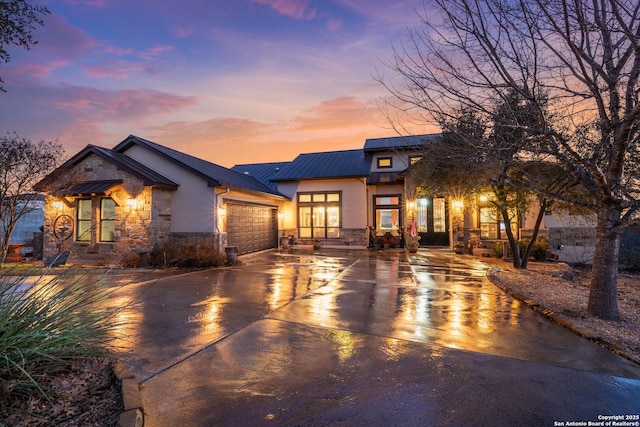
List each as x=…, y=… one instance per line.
x=319, y=215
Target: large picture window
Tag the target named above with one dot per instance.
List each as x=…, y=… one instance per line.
x=319, y=215
x=492, y=226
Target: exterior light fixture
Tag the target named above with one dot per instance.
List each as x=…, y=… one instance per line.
x=132, y=203
x=222, y=211
x=57, y=205
x=457, y=204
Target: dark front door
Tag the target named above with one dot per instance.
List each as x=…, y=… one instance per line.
x=432, y=221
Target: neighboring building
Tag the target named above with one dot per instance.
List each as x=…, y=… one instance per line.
x=102, y=204
x=28, y=228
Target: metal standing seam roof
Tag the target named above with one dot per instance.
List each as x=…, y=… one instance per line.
x=216, y=175
x=332, y=164
x=263, y=172
x=92, y=187
x=398, y=142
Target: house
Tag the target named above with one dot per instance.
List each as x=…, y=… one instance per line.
x=103, y=204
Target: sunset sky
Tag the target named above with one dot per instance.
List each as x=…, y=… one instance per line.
x=239, y=81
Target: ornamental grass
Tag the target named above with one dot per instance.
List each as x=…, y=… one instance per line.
x=48, y=325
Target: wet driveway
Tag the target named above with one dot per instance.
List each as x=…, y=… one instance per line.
x=360, y=338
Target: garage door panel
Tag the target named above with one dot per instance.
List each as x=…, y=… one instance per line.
x=252, y=228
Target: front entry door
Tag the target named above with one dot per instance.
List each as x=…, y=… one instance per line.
x=433, y=221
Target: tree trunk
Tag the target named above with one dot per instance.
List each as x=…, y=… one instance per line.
x=536, y=229
x=603, y=295
x=513, y=242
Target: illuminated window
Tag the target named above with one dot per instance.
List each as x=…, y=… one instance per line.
x=492, y=226
x=385, y=162
x=319, y=215
x=387, y=212
x=414, y=159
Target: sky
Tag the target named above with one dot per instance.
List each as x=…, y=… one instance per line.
x=229, y=81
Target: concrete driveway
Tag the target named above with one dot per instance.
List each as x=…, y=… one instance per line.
x=360, y=338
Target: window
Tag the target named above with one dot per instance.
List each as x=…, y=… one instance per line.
x=107, y=220
x=387, y=210
x=492, y=226
x=385, y=162
x=83, y=220
x=319, y=215
x=104, y=218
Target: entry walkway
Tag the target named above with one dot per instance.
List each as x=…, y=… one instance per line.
x=361, y=338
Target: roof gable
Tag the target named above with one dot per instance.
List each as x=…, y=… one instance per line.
x=147, y=175
x=332, y=164
x=215, y=175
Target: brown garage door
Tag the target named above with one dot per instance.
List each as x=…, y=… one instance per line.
x=251, y=227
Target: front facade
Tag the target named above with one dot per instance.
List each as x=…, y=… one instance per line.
x=103, y=205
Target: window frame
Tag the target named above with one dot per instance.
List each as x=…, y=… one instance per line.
x=379, y=161
x=104, y=221
x=323, y=231
x=81, y=222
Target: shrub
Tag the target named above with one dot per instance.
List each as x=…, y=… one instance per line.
x=46, y=326
x=185, y=254
x=497, y=250
x=539, y=250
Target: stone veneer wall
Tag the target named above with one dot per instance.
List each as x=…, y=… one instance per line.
x=348, y=237
x=135, y=226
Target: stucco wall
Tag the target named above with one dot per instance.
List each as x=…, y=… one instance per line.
x=192, y=204
x=354, y=210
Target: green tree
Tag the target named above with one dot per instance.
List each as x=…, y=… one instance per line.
x=18, y=18
x=577, y=61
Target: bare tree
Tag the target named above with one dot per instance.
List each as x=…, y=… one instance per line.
x=18, y=18
x=22, y=164
x=579, y=59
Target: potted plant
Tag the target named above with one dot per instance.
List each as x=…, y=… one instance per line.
x=458, y=248
x=413, y=246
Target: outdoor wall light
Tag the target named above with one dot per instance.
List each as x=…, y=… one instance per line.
x=280, y=216
x=457, y=204
x=57, y=205
x=222, y=211
x=132, y=203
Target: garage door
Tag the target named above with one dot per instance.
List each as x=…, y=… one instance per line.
x=251, y=227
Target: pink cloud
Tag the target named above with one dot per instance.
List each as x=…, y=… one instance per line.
x=114, y=69
x=297, y=9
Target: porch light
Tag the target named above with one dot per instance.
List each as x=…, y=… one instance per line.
x=484, y=198
x=57, y=205
x=280, y=216
x=132, y=203
x=222, y=211
x=411, y=205
x=457, y=204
